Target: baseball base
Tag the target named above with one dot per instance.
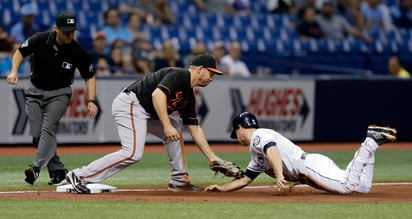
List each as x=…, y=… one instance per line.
x=94, y=188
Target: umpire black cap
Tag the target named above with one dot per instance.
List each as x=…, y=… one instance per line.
x=66, y=22
x=246, y=120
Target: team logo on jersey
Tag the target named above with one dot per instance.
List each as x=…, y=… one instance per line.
x=256, y=141
x=91, y=69
x=261, y=162
x=66, y=65
x=177, y=103
x=25, y=44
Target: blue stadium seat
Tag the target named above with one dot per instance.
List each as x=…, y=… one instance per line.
x=217, y=33
x=172, y=32
x=268, y=39
x=202, y=34
x=163, y=33
x=7, y=18
x=57, y=6
x=154, y=34
x=117, y=3
x=93, y=17
x=255, y=21
x=391, y=2
x=246, y=33
x=43, y=5
x=258, y=6
x=174, y=7
x=184, y=34
x=45, y=20
x=98, y=5
x=12, y=6
x=77, y=5
x=217, y=20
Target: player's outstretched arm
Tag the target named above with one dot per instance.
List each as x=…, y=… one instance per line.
x=200, y=140
x=91, y=94
x=275, y=161
x=231, y=186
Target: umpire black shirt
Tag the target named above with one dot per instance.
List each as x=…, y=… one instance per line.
x=53, y=65
x=175, y=83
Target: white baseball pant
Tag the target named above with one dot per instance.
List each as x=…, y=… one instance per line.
x=322, y=172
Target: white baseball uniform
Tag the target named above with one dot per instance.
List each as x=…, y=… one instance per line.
x=316, y=170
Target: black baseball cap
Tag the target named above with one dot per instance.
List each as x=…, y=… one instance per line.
x=66, y=22
x=246, y=120
x=207, y=61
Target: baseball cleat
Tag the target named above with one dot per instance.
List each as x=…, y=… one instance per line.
x=77, y=183
x=388, y=130
x=381, y=135
x=32, y=173
x=190, y=187
x=58, y=177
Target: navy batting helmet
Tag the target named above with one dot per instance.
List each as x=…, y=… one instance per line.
x=246, y=120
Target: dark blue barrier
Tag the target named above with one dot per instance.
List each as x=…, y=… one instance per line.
x=345, y=108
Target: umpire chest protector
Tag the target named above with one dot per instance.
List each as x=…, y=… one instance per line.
x=53, y=65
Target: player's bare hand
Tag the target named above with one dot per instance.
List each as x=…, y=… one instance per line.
x=93, y=110
x=171, y=134
x=12, y=78
x=212, y=188
x=281, y=183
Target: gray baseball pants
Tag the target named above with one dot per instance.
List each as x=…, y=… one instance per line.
x=44, y=110
x=133, y=123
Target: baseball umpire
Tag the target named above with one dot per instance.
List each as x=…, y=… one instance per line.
x=55, y=55
x=144, y=107
x=278, y=157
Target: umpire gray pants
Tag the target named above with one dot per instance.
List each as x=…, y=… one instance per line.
x=44, y=110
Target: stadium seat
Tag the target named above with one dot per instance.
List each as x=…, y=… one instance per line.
x=45, y=20
x=98, y=5
x=7, y=18
x=201, y=34
x=57, y=6
x=268, y=39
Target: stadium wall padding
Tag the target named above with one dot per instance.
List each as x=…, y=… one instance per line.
x=321, y=109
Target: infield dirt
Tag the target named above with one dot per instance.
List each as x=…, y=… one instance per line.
x=380, y=193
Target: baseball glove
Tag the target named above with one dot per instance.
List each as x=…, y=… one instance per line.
x=227, y=168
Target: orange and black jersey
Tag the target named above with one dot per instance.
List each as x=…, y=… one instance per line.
x=53, y=65
x=175, y=83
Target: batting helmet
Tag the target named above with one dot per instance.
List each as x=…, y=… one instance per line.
x=246, y=120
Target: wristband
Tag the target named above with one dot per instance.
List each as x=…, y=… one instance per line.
x=92, y=101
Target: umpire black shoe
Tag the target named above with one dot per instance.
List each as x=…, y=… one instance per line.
x=381, y=135
x=58, y=177
x=190, y=187
x=32, y=173
x=78, y=184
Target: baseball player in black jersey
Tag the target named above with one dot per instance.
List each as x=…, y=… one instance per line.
x=144, y=107
x=55, y=56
